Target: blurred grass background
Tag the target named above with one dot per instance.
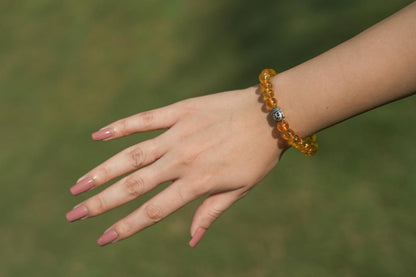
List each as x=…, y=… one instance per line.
x=68, y=68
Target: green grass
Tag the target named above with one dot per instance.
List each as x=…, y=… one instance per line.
x=70, y=67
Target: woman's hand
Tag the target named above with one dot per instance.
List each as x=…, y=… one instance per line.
x=218, y=146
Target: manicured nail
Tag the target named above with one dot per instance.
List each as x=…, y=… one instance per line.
x=102, y=134
x=82, y=186
x=76, y=213
x=106, y=238
x=197, y=237
x=80, y=178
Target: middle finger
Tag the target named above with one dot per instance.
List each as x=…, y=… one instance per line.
x=123, y=191
x=127, y=160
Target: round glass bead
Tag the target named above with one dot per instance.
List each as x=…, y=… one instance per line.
x=266, y=86
x=306, y=147
x=297, y=140
x=268, y=94
x=271, y=103
x=311, y=152
x=282, y=126
x=288, y=135
x=270, y=71
x=264, y=77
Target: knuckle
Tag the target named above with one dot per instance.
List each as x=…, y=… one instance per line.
x=100, y=174
x=134, y=186
x=125, y=228
x=153, y=213
x=137, y=156
x=147, y=118
x=96, y=205
x=122, y=127
x=214, y=213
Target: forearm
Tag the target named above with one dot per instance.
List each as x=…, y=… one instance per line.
x=369, y=70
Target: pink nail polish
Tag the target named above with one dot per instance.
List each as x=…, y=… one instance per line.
x=76, y=213
x=197, y=237
x=82, y=186
x=106, y=238
x=102, y=134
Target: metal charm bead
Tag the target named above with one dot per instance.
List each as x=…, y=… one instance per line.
x=277, y=114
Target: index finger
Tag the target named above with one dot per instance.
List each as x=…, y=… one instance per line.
x=156, y=119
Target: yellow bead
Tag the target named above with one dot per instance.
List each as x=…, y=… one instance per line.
x=288, y=135
x=266, y=74
x=306, y=147
x=311, y=139
x=311, y=152
x=268, y=94
x=264, y=77
x=266, y=86
x=270, y=71
x=282, y=126
x=298, y=141
x=271, y=103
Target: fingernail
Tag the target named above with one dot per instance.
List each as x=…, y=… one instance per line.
x=82, y=186
x=197, y=237
x=107, y=237
x=83, y=176
x=76, y=213
x=102, y=134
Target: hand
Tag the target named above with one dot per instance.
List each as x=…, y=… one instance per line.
x=219, y=146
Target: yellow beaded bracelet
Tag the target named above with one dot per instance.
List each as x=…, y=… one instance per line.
x=308, y=145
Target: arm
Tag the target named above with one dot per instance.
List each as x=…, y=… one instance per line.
x=220, y=145
x=369, y=70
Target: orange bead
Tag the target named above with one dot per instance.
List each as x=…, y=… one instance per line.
x=271, y=103
x=288, y=135
x=264, y=77
x=266, y=74
x=306, y=147
x=266, y=86
x=270, y=71
x=298, y=141
x=311, y=152
x=268, y=94
x=282, y=126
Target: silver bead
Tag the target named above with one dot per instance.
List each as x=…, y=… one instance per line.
x=277, y=114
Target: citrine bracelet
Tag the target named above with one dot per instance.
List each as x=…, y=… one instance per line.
x=308, y=145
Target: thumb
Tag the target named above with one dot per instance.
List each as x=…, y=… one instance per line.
x=209, y=211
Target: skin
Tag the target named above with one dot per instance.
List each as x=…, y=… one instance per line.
x=221, y=145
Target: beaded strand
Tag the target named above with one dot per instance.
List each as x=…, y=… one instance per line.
x=308, y=145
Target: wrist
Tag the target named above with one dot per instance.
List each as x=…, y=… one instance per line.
x=300, y=111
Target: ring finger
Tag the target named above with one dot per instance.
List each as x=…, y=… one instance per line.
x=123, y=191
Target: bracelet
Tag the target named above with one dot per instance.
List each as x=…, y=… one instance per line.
x=308, y=145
